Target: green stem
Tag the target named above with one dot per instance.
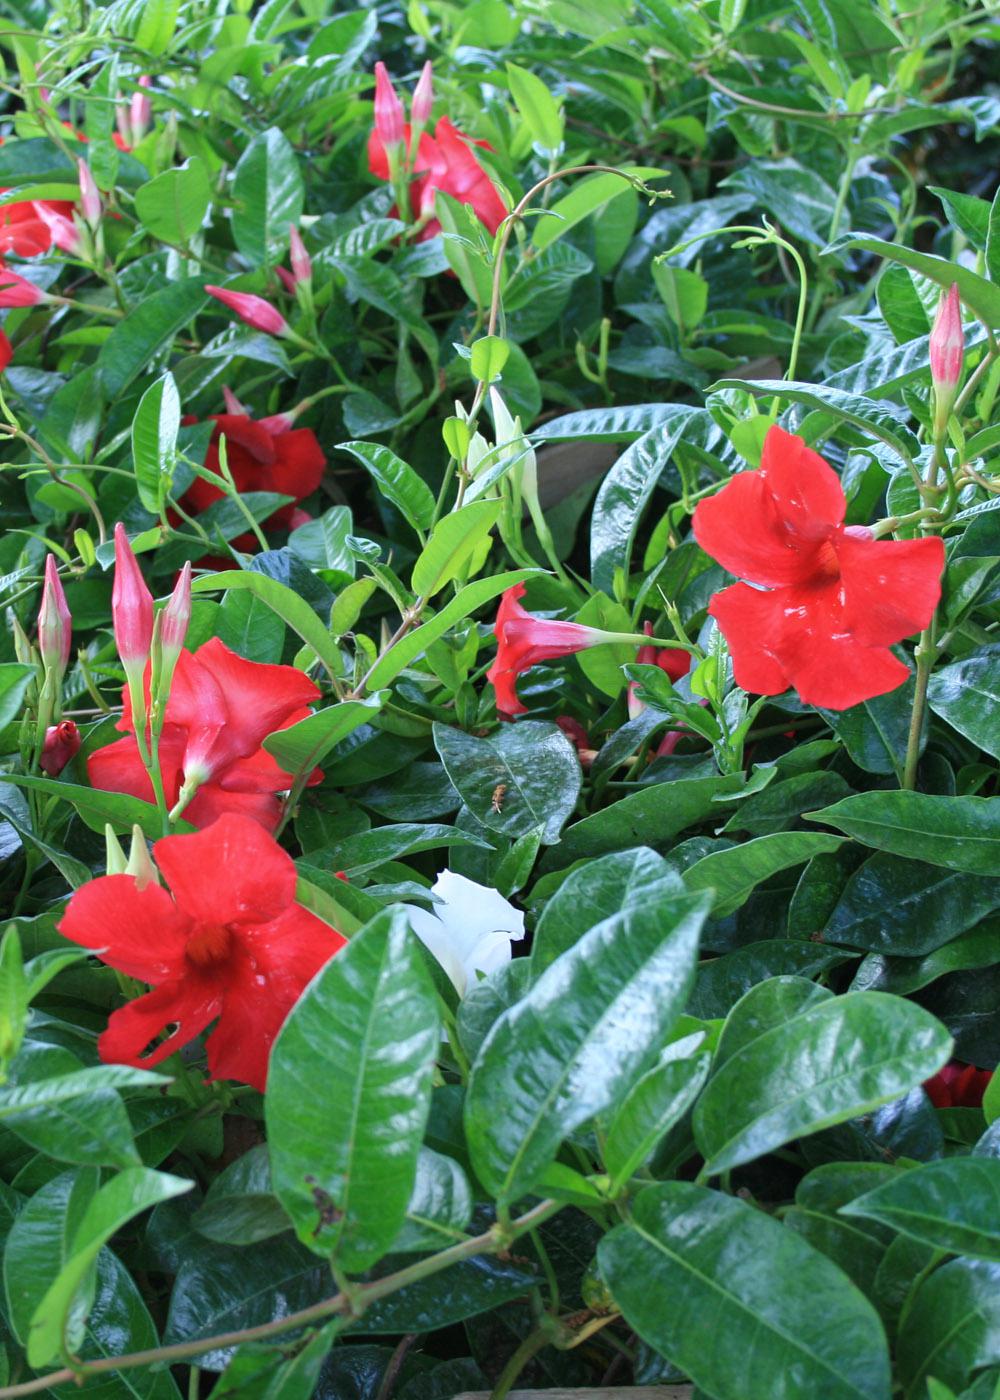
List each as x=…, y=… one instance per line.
x=535, y=1342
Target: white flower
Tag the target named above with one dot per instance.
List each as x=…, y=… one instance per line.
x=470, y=931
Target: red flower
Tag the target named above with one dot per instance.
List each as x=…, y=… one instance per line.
x=444, y=161
x=24, y=228
x=833, y=599
x=524, y=640
x=220, y=709
x=6, y=352
x=228, y=942
x=263, y=456
x=958, y=1086
x=62, y=742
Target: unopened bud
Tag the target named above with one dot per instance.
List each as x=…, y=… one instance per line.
x=16, y=290
x=947, y=350
x=423, y=97
x=174, y=620
x=62, y=742
x=114, y=857
x=300, y=259
x=54, y=623
x=140, y=110
x=253, y=310
x=140, y=862
x=131, y=607
x=90, y=195
x=389, y=118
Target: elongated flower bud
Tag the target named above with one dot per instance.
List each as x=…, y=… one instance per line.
x=131, y=607
x=389, y=118
x=254, y=310
x=300, y=259
x=140, y=110
x=18, y=291
x=423, y=97
x=62, y=742
x=90, y=195
x=114, y=857
x=287, y=279
x=140, y=863
x=176, y=616
x=232, y=403
x=947, y=350
x=54, y=622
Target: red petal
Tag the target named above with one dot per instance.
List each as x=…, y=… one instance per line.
x=299, y=464
x=891, y=587
x=141, y=932
x=750, y=621
x=233, y=872
x=286, y=953
x=191, y=1003
x=456, y=171
x=211, y=802
x=806, y=490
x=6, y=352
x=243, y=431
x=259, y=697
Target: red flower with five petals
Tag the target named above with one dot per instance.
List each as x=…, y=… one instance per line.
x=227, y=942
x=831, y=600
x=221, y=707
x=523, y=640
x=264, y=455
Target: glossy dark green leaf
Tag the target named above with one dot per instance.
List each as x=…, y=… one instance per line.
x=597, y=1017
x=980, y=296
x=97, y=807
x=967, y=695
x=874, y=417
x=732, y=875
x=396, y=481
x=240, y=1206
x=286, y=1372
x=348, y=1094
x=659, y=1099
x=39, y=1242
x=908, y=908
x=367, y=850
x=781, y=803
x=466, y=1289
x=651, y=817
x=765, y=1006
x=133, y=345
x=962, y=833
x=440, y=1206
x=300, y=747
x=288, y=605
x=721, y=982
x=534, y=763
x=679, y=1273
x=952, y=1326
x=602, y=889
x=798, y=1077
x=173, y=205
x=268, y=196
x=87, y=1129
x=953, y=1205
x=799, y=198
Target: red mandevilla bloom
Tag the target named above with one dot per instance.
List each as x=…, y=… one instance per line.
x=16, y=290
x=267, y=455
x=25, y=227
x=523, y=640
x=62, y=742
x=958, y=1086
x=227, y=942
x=831, y=599
x=444, y=161
x=253, y=310
x=220, y=708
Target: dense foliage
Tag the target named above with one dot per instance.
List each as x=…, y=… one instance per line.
x=524, y=907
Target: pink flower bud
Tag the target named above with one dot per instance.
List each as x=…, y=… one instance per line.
x=62, y=742
x=301, y=262
x=131, y=606
x=389, y=118
x=140, y=110
x=123, y=121
x=176, y=615
x=947, y=343
x=54, y=621
x=65, y=235
x=287, y=279
x=423, y=97
x=90, y=195
x=254, y=310
x=18, y=291
x=232, y=403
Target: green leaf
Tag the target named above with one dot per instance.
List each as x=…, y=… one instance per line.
x=537, y=106
x=875, y=733
x=97, y=807
x=240, y=1207
x=799, y=198
x=39, y=1241
x=349, y=1092
x=288, y=605
x=967, y=695
x=533, y=762
x=952, y=1205
x=132, y=347
x=594, y=1020
x=279, y=1372
x=455, y=542
x=731, y=14
x=367, y=850
x=741, y=1286
x=660, y=1099
x=14, y=681
x=871, y=416
x=440, y=1205
x=951, y=1326
x=489, y=354
x=967, y=212
x=173, y=206
x=653, y=816
x=600, y=890
x=587, y=197
x=962, y=833
x=268, y=195
x=732, y=875
x=377, y=284
x=88, y=1129
x=156, y=25
x=396, y=480
x=74, y=1085
x=465, y=602
x=300, y=747
x=154, y=442
x=115, y=1204
x=979, y=296
x=796, y=1078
